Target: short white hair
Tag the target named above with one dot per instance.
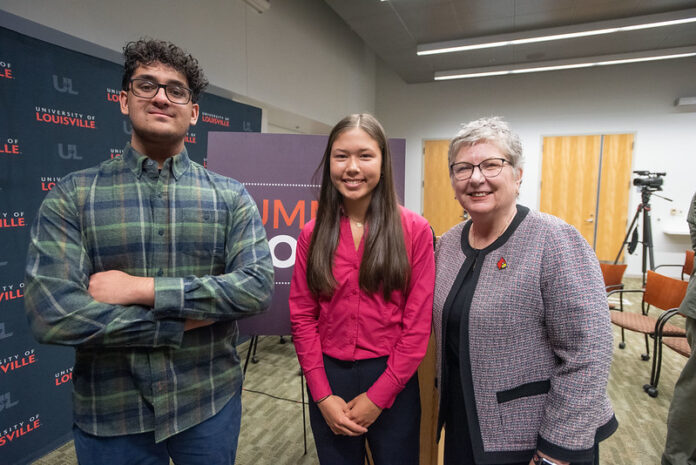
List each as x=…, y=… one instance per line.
x=494, y=130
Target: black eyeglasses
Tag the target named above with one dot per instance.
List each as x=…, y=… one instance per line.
x=147, y=89
x=489, y=168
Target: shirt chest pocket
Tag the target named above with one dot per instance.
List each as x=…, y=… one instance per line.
x=201, y=234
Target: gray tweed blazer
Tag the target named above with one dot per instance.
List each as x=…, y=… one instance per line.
x=538, y=340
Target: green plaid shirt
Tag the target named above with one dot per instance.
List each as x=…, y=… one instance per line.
x=201, y=237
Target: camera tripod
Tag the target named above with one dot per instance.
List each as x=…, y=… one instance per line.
x=647, y=244
x=643, y=207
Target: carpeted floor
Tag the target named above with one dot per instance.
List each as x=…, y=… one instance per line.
x=272, y=414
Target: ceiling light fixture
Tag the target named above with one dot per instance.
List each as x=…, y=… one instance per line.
x=561, y=33
x=607, y=60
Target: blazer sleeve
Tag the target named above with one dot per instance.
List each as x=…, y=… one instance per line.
x=579, y=331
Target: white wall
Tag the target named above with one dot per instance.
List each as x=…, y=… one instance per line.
x=304, y=64
x=298, y=56
x=636, y=98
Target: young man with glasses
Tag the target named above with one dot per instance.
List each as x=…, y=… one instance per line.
x=143, y=264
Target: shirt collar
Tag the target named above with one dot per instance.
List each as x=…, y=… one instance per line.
x=178, y=164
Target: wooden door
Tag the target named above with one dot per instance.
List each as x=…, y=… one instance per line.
x=615, y=186
x=569, y=174
x=586, y=182
x=439, y=205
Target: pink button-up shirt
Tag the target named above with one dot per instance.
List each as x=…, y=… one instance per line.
x=353, y=325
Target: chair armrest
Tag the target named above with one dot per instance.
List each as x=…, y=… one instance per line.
x=621, y=291
x=614, y=287
x=662, y=266
x=662, y=320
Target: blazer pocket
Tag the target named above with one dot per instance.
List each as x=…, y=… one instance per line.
x=521, y=409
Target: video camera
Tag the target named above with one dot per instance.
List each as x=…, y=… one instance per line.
x=649, y=180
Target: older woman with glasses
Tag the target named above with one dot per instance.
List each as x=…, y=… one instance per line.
x=521, y=320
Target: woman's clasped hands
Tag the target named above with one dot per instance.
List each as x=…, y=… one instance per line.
x=349, y=419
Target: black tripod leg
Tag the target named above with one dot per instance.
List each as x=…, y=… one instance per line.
x=248, y=355
x=253, y=356
x=628, y=233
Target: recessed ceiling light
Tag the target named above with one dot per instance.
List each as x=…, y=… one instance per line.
x=670, y=54
x=560, y=33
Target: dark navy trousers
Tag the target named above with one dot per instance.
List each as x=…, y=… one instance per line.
x=393, y=438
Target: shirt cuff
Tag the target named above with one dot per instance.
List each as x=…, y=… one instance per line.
x=169, y=298
x=383, y=392
x=318, y=384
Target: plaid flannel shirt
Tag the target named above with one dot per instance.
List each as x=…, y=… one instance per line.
x=201, y=237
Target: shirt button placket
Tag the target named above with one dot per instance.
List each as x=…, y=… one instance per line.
x=354, y=317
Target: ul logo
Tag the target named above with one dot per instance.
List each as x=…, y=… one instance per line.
x=6, y=402
x=66, y=86
x=127, y=128
x=246, y=126
x=3, y=333
x=68, y=152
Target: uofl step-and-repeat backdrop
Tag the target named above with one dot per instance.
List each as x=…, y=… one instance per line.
x=59, y=112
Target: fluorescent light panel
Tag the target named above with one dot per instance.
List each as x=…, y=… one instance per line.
x=561, y=33
x=670, y=54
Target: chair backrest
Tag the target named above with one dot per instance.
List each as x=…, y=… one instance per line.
x=688, y=268
x=613, y=274
x=664, y=292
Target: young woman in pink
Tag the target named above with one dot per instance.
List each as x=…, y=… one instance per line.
x=361, y=303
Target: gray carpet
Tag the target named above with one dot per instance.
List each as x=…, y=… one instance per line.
x=272, y=428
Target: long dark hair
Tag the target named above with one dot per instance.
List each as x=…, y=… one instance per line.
x=384, y=262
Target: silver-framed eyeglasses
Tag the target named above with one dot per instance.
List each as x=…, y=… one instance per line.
x=489, y=168
x=146, y=88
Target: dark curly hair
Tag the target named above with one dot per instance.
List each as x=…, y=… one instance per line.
x=148, y=51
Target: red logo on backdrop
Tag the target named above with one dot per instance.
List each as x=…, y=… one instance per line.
x=65, y=118
x=5, y=70
x=190, y=138
x=11, y=292
x=17, y=361
x=48, y=183
x=18, y=430
x=113, y=95
x=215, y=119
x=12, y=220
x=63, y=377
x=115, y=153
x=10, y=147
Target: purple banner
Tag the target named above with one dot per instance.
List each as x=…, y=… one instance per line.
x=277, y=170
